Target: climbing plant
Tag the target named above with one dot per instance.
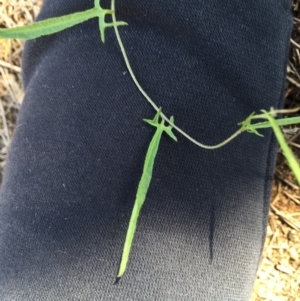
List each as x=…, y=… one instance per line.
x=57, y=24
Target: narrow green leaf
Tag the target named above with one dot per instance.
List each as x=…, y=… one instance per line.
x=255, y=132
x=292, y=161
x=279, y=122
x=143, y=186
x=49, y=26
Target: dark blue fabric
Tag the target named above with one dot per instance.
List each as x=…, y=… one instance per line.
x=79, y=147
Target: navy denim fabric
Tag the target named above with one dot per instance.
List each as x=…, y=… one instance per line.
x=79, y=147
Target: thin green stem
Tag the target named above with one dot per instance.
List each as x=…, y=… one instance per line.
x=121, y=45
x=97, y=3
x=148, y=98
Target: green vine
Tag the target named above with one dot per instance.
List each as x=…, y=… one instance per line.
x=57, y=24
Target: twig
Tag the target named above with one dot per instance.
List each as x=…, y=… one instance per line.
x=292, y=81
x=5, y=137
x=294, y=43
x=292, y=185
x=10, y=66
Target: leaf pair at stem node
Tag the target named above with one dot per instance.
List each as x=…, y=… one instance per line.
x=56, y=24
